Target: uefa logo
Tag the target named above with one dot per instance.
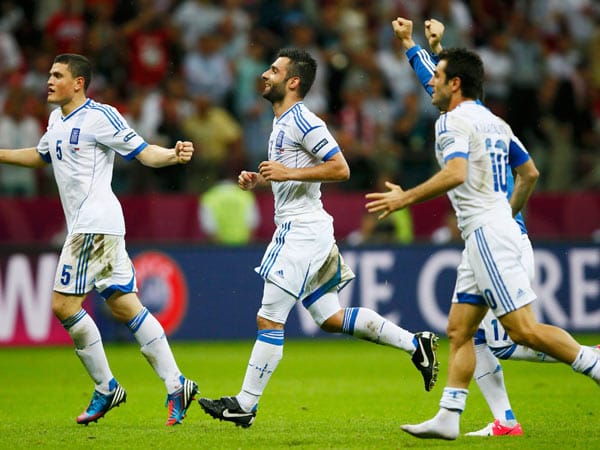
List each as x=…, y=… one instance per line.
x=162, y=288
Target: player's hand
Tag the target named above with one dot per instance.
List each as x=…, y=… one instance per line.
x=403, y=29
x=273, y=171
x=184, y=151
x=247, y=180
x=434, y=31
x=386, y=202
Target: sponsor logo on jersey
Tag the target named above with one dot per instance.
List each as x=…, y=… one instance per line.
x=162, y=288
x=74, y=139
x=319, y=146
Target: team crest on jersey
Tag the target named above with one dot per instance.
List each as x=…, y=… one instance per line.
x=74, y=139
x=279, y=140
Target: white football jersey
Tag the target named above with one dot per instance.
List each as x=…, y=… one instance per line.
x=299, y=139
x=81, y=148
x=473, y=132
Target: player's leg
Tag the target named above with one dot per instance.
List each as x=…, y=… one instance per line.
x=118, y=287
x=489, y=377
x=524, y=329
x=266, y=354
x=366, y=324
x=149, y=333
x=75, y=266
x=463, y=321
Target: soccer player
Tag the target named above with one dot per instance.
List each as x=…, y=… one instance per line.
x=80, y=142
x=491, y=340
x=471, y=147
x=302, y=262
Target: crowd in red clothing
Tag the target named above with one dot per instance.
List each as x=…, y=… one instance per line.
x=191, y=69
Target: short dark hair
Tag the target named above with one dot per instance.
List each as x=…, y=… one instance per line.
x=467, y=66
x=302, y=65
x=78, y=65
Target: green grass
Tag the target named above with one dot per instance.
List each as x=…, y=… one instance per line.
x=326, y=394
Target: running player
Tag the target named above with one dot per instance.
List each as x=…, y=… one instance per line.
x=471, y=147
x=302, y=262
x=80, y=142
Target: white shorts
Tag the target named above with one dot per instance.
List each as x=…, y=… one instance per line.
x=299, y=250
x=491, y=331
x=492, y=271
x=94, y=261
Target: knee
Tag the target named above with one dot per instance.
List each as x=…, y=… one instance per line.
x=263, y=323
x=458, y=334
x=333, y=324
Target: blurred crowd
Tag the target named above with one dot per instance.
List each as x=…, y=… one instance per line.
x=191, y=70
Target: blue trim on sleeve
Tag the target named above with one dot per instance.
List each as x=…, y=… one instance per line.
x=136, y=152
x=517, y=155
x=331, y=152
x=46, y=157
x=456, y=155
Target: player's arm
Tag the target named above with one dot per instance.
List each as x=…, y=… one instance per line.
x=434, y=31
x=333, y=169
x=419, y=59
x=526, y=177
x=157, y=156
x=24, y=157
x=452, y=175
x=526, y=174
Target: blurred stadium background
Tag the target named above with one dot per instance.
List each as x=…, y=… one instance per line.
x=191, y=69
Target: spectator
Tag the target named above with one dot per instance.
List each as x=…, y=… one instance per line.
x=228, y=214
x=66, y=29
x=18, y=129
x=219, y=136
x=207, y=71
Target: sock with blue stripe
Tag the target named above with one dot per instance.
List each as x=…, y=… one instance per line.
x=154, y=346
x=364, y=323
x=587, y=362
x=490, y=379
x=265, y=356
x=88, y=347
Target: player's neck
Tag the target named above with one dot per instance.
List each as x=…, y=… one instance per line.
x=281, y=107
x=72, y=105
x=456, y=100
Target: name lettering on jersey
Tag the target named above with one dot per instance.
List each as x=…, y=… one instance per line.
x=74, y=139
x=319, y=146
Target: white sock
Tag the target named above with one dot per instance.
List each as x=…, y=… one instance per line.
x=587, y=362
x=521, y=353
x=88, y=346
x=490, y=379
x=454, y=399
x=265, y=356
x=364, y=323
x=154, y=346
x=445, y=425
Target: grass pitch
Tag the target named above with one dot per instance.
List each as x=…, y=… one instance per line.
x=326, y=394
